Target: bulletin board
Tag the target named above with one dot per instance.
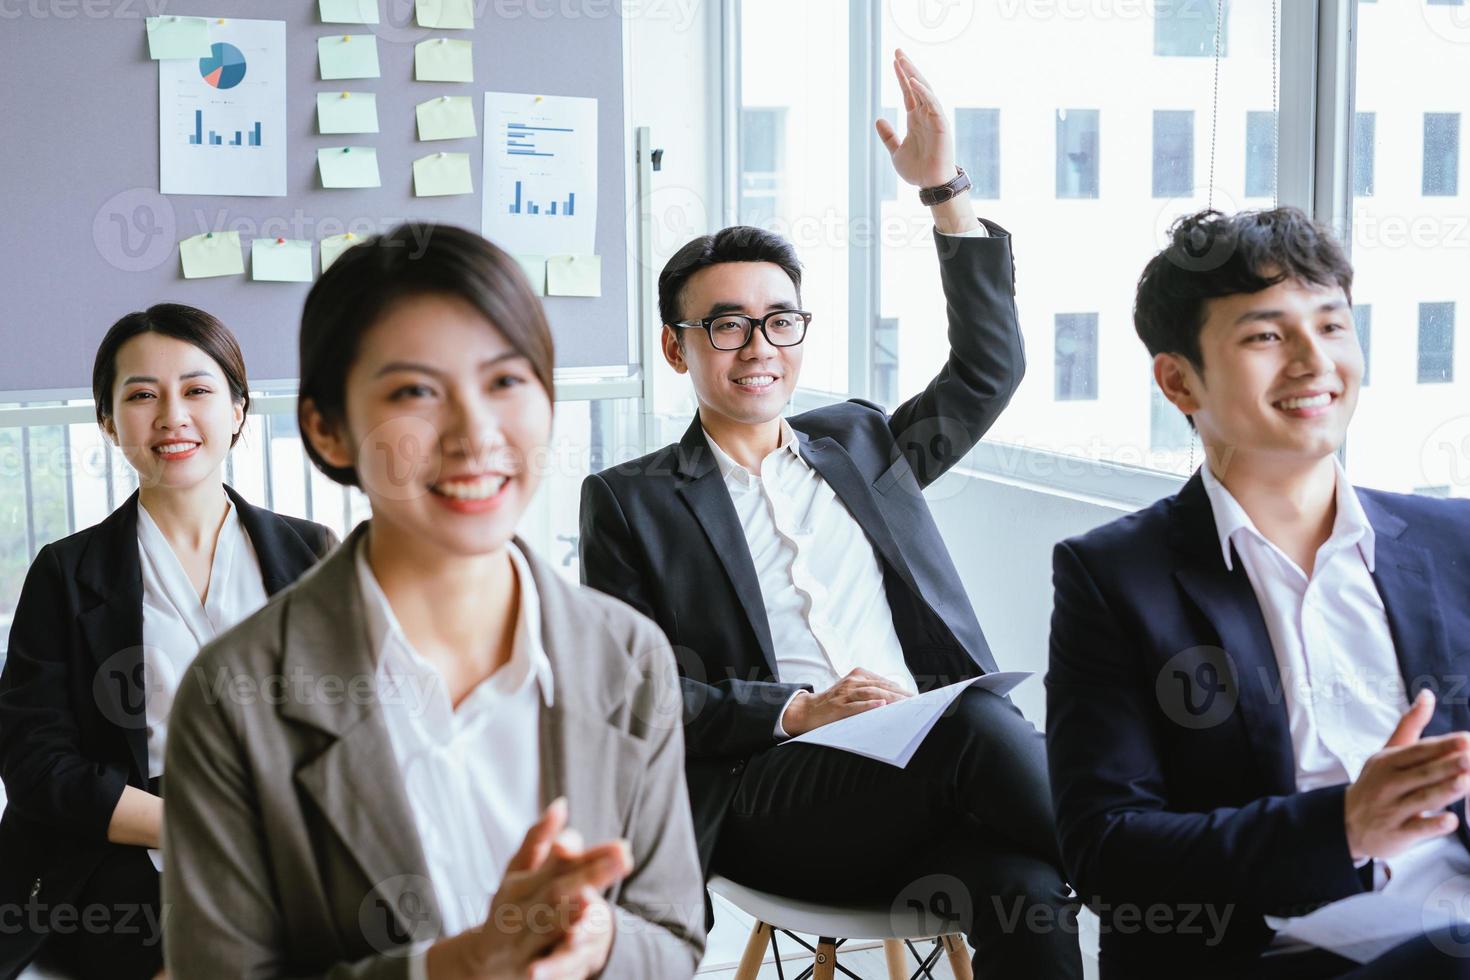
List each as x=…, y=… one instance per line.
x=87, y=237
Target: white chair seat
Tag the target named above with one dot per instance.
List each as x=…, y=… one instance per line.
x=824, y=919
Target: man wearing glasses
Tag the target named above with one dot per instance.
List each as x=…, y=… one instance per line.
x=798, y=573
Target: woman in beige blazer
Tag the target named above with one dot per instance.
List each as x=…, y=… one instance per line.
x=432, y=757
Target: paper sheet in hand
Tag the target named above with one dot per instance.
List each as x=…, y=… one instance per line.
x=893, y=733
x=1364, y=926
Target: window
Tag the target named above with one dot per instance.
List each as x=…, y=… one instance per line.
x=1168, y=428
x=887, y=177
x=762, y=140
x=977, y=145
x=1076, y=357
x=1077, y=152
x=1260, y=154
x=1173, y=153
x=1363, y=123
x=1363, y=323
x=1186, y=28
x=1441, y=154
x=885, y=361
x=809, y=202
x=1436, y=343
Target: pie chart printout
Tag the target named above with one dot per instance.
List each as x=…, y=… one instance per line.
x=225, y=66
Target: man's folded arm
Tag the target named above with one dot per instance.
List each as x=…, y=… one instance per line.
x=939, y=425
x=1120, y=840
x=729, y=717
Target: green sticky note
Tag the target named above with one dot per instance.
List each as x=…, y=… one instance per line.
x=334, y=245
x=346, y=112
x=349, y=11
x=348, y=56
x=442, y=60
x=349, y=166
x=276, y=260
x=534, y=266
x=216, y=254
x=574, y=275
x=441, y=174
x=449, y=117
x=177, y=37
x=445, y=15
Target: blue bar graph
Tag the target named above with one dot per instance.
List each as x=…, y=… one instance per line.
x=255, y=136
x=559, y=208
x=243, y=137
x=214, y=139
x=198, y=136
x=236, y=140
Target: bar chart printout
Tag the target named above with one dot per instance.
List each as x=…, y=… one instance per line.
x=222, y=118
x=540, y=175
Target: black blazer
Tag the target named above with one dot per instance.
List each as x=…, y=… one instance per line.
x=72, y=724
x=1171, y=761
x=661, y=532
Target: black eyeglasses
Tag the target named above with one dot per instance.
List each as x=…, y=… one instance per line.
x=732, y=331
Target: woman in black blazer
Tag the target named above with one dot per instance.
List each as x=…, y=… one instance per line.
x=106, y=621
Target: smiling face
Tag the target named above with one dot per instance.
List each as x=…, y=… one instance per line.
x=1282, y=370
x=750, y=386
x=445, y=423
x=173, y=415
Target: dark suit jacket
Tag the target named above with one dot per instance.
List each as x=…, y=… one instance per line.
x=661, y=532
x=72, y=726
x=1171, y=761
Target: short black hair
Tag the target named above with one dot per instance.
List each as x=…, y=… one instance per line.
x=411, y=260
x=1211, y=255
x=738, y=243
x=193, y=326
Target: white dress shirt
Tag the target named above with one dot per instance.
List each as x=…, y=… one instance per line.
x=176, y=624
x=821, y=581
x=472, y=774
x=1340, y=677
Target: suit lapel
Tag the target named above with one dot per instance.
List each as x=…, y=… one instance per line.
x=326, y=636
x=827, y=456
x=704, y=490
x=1226, y=599
x=282, y=554
x=111, y=571
x=1405, y=578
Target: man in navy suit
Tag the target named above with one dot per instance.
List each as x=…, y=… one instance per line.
x=1241, y=716
x=797, y=570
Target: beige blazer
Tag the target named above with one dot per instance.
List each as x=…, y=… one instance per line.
x=290, y=847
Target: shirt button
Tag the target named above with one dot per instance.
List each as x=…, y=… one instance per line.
x=736, y=768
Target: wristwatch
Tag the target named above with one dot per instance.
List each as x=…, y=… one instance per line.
x=931, y=196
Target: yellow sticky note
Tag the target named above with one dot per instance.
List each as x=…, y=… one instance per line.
x=442, y=60
x=349, y=11
x=449, y=117
x=280, y=260
x=334, y=245
x=441, y=174
x=574, y=275
x=216, y=254
x=346, y=112
x=349, y=166
x=348, y=56
x=445, y=15
x=177, y=37
x=534, y=266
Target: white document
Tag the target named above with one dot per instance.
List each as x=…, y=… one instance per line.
x=222, y=119
x=540, y=174
x=1366, y=926
x=893, y=733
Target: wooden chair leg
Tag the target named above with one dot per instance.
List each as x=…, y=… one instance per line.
x=755, y=952
x=824, y=967
x=959, y=956
x=898, y=963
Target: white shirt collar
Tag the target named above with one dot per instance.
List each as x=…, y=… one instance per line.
x=529, y=653
x=728, y=466
x=1350, y=525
